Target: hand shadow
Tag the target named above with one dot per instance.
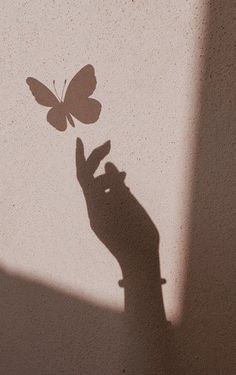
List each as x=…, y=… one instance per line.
x=125, y=228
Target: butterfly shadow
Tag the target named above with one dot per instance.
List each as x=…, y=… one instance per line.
x=76, y=103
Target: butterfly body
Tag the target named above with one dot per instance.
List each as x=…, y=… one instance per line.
x=77, y=101
x=70, y=119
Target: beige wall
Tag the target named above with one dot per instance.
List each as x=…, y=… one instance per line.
x=148, y=56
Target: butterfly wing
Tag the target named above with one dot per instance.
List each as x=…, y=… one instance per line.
x=82, y=85
x=57, y=118
x=86, y=111
x=56, y=115
x=41, y=93
x=77, y=99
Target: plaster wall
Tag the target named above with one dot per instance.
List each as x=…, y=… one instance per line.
x=149, y=62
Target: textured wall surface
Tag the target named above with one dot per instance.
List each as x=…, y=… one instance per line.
x=165, y=77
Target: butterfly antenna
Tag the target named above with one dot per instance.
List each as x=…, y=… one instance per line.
x=56, y=90
x=63, y=90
